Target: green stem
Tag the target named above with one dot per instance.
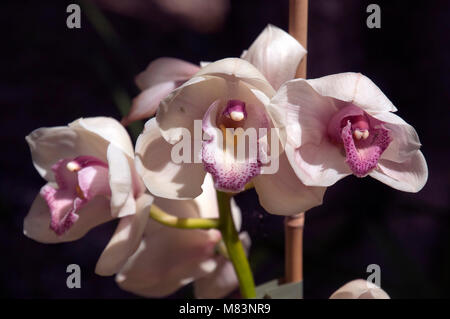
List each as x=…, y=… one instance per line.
x=234, y=246
x=162, y=217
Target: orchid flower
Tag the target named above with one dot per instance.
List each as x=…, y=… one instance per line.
x=343, y=124
x=169, y=258
x=230, y=93
x=359, y=289
x=91, y=179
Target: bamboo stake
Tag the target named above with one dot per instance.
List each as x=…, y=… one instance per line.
x=298, y=28
x=293, y=225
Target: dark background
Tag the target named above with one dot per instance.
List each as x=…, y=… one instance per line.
x=52, y=75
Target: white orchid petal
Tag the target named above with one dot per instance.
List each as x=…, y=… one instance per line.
x=188, y=103
x=276, y=54
x=355, y=88
x=49, y=145
x=167, y=259
x=126, y=238
x=165, y=70
x=408, y=176
x=238, y=69
x=283, y=193
x=161, y=175
x=121, y=183
x=107, y=128
x=405, y=141
x=146, y=104
x=222, y=281
x=359, y=289
x=207, y=201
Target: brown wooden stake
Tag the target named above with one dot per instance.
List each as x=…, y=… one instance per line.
x=293, y=225
x=298, y=28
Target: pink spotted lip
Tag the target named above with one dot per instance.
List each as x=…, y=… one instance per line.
x=364, y=138
x=218, y=151
x=79, y=180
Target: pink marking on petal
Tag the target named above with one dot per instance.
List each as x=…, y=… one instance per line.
x=229, y=173
x=63, y=208
x=228, y=177
x=94, y=181
x=363, y=156
x=79, y=180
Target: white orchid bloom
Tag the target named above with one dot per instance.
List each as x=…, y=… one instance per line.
x=169, y=258
x=343, y=124
x=230, y=93
x=91, y=179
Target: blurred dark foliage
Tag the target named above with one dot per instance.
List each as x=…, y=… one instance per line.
x=52, y=75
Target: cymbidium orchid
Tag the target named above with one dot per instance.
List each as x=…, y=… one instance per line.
x=228, y=94
x=169, y=258
x=91, y=179
x=360, y=289
x=343, y=124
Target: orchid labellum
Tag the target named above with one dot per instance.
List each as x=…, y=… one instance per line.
x=228, y=94
x=343, y=124
x=91, y=179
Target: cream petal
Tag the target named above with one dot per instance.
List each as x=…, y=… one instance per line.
x=120, y=182
x=165, y=70
x=237, y=214
x=301, y=113
x=36, y=224
x=283, y=193
x=355, y=88
x=161, y=175
x=126, y=238
x=107, y=128
x=359, y=289
x=188, y=103
x=276, y=54
x=405, y=141
x=49, y=145
x=222, y=281
x=146, y=104
x=167, y=259
x=207, y=201
x=318, y=165
x=235, y=68
x=408, y=176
